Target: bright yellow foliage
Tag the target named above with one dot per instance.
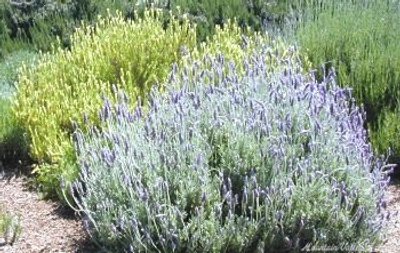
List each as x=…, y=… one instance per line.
x=65, y=83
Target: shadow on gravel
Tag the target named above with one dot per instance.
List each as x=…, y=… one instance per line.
x=15, y=170
x=85, y=245
x=395, y=175
x=393, y=192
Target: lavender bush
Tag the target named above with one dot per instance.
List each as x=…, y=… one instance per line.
x=268, y=161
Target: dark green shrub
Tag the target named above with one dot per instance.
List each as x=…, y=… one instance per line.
x=266, y=161
x=7, y=44
x=259, y=15
x=38, y=24
x=209, y=13
x=32, y=24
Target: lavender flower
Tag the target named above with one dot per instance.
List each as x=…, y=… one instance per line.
x=223, y=151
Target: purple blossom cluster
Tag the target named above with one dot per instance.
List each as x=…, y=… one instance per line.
x=232, y=158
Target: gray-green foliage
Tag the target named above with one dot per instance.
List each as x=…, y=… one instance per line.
x=12, y=138
x=10, y=226
x=9, y=69
x=266, y=162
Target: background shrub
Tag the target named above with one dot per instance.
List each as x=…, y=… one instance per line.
x=257, y=153
x=37, y=24
x=259, y=15
x=359, y=39
x=32, y=24
x=207, y=14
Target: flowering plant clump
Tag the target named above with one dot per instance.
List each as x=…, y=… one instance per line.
x=267, y=161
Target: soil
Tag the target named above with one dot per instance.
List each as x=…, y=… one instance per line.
x=392, y=230
x=48, y=227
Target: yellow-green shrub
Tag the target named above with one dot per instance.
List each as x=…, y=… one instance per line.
x=133, y=55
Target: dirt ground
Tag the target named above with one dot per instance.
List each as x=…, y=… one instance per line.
x=47, y=227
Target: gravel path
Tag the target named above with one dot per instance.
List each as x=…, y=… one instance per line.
x=392, y=230
x=47, y=227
